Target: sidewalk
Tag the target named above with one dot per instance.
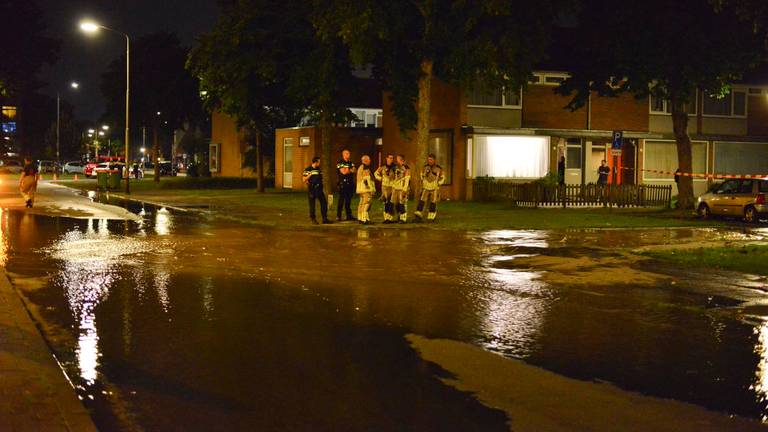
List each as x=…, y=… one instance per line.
x=35, y=395
x=56, y=200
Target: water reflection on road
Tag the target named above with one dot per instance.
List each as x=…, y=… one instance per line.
x=244, y=328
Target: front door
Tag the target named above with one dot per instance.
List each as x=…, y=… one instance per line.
x=288, y=163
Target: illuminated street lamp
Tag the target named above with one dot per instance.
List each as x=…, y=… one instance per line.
x=105, y=127
x=74, y=86
x=92, y=28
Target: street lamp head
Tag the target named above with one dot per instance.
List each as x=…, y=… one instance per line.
x=101, y=133
x=90, y=131
x=105, y=127
x=89, y=26
x=74, y=85
x=143, y=149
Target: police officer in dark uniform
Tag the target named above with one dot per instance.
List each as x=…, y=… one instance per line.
x=314, y=180
x=347, y=180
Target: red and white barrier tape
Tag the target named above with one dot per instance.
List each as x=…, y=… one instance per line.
x=706, y=176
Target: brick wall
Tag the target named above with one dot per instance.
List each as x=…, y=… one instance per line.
x=224, y=132
x=359, y=141
x=623, y=112
x=449, y=113
x=542, y=108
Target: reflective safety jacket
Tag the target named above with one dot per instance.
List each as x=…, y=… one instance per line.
x=364, y=181
x=402, y=178
x=386, y=175
x=432, y=177
x=349, y=178
x=314, y=178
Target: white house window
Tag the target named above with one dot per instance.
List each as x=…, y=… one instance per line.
x=730, y=158
x=213, y=158
x=549, y=78
x=663, y=106
x=510, y=156
x=441, y=144
x=502, y=98
x=662, y=156
x=733, y=104
x=554, y=79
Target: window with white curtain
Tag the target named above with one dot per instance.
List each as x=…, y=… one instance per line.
x=741, y=158
x=441, y=144
x=662, y=156
x=509, y=156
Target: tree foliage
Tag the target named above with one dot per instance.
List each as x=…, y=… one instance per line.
x=662, y=49
x=159, y=83
x=461, y=42
x=264, y=65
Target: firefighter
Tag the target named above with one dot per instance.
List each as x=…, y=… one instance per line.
x=313, y=177
x=365, y=189
x=386, y=175
x=346, y=171
x=431, y=179
x=400, y=187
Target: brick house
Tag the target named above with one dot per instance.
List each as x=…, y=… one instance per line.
x=519, y=135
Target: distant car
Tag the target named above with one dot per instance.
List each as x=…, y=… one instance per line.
x=167, y=169
x=11, y=167
x=108, y=167
x=742, y=198
x=46, y=166
x=74, y=167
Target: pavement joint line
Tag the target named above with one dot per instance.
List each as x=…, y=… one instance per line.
x=37, y=375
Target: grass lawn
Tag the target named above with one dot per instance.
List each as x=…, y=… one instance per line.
x=237, y=199
x=747, y=259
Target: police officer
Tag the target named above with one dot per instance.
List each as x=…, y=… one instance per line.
x=365, y=189
x=386, y=175
x=431, y=179
x=313, y=177
x=400, y=187
x=346, y=172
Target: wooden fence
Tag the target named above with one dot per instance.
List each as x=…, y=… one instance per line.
x=540, y=195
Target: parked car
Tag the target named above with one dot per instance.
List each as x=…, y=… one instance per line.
x=46, y=166
x=166, y=168
x=743, y=198
x=11, y=167
x=108, y=166
x=74, y=167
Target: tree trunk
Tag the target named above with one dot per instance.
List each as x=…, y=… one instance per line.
x=259, y=163
x=684, y=154
x=326, y=162
x=155, y=153
x=424, y=108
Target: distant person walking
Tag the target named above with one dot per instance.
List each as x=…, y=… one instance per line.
x=365, y=189
x=313, y=177
x=602, y=173
x=346, y=171
x=28, y=183
x=561, y=171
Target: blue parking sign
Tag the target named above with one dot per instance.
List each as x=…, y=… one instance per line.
x=618, y=138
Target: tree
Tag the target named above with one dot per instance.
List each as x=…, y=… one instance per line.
x=662, y=49
x=264, y=65
x=411, y=42
x=159, y=84
x=24, y=51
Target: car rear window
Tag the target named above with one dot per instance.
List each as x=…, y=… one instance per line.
x=763, y=185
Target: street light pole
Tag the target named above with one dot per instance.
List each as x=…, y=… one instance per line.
x=58, y=131
x=92, y=27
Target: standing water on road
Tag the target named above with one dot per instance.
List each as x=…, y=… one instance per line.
x=178, y=322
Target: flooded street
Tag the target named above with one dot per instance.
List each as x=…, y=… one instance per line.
x=180, y=322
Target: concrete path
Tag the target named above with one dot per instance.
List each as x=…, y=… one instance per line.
x=35, y=394
x=56, y=200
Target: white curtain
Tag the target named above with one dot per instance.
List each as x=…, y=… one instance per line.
x=511, y=156
x=662, y=156
x=741, y=158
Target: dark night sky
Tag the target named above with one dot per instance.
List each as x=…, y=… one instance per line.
x=84, y=57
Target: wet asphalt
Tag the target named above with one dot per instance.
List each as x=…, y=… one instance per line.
x=179, y=322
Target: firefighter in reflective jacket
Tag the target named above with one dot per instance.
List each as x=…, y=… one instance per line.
x=431, y=179
x=313, y=177
x=400, y=187
x=386, y=175
x=365, y=188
